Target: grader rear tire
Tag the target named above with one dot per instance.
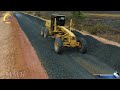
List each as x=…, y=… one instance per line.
x=42, y=32
x=83, y=45
x=46, y=33
x=58, y=44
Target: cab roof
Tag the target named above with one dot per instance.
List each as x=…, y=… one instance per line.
x=57, y=15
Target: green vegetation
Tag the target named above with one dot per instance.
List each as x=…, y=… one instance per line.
x=77, y=17
x=78, y=14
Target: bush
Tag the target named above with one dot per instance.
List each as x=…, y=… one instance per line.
x=78, y=15
x=99, y=29
x=37, y=13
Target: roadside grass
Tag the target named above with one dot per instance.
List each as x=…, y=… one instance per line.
x=102, y=15
x=102, y=30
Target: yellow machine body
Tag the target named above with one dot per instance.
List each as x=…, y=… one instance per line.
x=69, y=39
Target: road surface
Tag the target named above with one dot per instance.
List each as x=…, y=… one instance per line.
x=100, y=58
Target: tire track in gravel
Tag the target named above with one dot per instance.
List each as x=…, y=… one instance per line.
x=70, y=64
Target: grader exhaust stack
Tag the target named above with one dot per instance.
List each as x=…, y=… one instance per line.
x=55, y=25
x=71, y=25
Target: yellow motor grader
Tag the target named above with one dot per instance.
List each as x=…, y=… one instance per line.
x=64, y=37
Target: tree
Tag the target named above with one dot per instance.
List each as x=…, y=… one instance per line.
x=78, y=15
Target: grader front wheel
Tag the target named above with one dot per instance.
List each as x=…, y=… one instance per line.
x=58, y=44
x=82, y=48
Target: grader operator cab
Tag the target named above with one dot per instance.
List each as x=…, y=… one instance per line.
x=60, y=20
x=64, y=37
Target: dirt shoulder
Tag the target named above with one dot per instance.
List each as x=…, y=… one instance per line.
x=18, y=59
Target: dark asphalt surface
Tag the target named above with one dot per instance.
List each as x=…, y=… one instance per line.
x=71, y=64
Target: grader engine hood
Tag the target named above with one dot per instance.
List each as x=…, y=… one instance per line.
x=71, y=37
x=67, y=31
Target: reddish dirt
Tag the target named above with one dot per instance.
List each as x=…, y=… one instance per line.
x=18, y=59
